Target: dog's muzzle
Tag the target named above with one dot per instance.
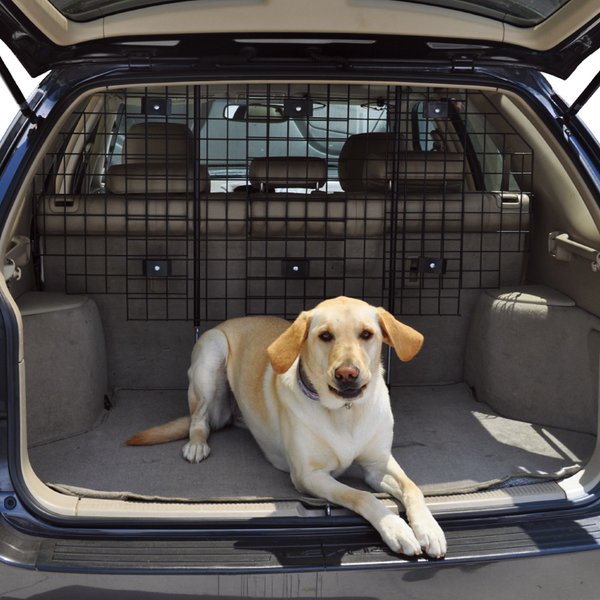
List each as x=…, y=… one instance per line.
x=348, y=382
x=346, y=389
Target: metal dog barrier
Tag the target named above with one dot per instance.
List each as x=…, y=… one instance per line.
x=206, y=202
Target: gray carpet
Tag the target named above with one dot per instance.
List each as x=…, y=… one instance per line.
x=445, y=440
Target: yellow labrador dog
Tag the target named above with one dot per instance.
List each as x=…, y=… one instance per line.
x=313, y=395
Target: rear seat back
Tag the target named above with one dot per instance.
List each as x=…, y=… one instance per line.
x=430, y=192
x=100, y=243
x=366, y=165
x=288, y=201
x=157, y=159
x=149, y=193
x=148, y=210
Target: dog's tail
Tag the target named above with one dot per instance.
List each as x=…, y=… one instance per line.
x=178, y=429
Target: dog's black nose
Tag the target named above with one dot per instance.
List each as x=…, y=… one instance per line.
x=347, y=374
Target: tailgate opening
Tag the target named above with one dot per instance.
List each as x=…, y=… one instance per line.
x=160, y=211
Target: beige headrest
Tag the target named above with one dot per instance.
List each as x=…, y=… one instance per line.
x=158, y=159
x=366, y=164
x=288, y=172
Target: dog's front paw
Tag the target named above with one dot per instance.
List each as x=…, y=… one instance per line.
x=399, y=536
x=430, y=536
x=195, y=452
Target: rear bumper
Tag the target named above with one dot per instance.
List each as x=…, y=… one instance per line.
x=543, y=557
x=548, y=577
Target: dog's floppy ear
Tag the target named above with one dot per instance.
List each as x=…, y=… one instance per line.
x=286, y=348
x=405, y=340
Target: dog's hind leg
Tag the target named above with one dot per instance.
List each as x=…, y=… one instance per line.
x=208, y=393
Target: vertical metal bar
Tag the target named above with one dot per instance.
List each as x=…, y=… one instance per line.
x=204, y=99
x=225, y=257
x=344, y=241
x=196, y=210
x=126, y=232
x=394, y=198
x=326, y=128
x=393, y=195
x=250, y=243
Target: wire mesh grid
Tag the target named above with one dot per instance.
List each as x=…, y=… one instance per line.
x=211, y=201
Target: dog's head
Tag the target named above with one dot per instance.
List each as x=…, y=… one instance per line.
x=339, y=345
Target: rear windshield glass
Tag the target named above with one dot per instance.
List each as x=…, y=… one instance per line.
x=524, y=13
x=87, y=10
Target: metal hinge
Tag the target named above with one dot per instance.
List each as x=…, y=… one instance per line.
x=462, y=64
x=140, y=60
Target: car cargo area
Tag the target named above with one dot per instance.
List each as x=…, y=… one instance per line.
x=433, y=423
x=156, y=212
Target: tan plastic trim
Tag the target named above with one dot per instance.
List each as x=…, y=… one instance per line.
x=58, y=28
x=313, y=16
x=556, y=176
x=334, y=17
x=75, y=506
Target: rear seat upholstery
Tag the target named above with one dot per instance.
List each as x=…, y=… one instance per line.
x=289, y=202
x=151, y=195
x=158, y=159
x=366, y=164
x=430, y=191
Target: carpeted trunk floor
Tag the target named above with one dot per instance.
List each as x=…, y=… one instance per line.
x=445, y=440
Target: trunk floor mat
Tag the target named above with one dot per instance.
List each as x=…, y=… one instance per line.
x=445, y=440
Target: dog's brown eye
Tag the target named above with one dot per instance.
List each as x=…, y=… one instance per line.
x=366, y=334
x=325, y=336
